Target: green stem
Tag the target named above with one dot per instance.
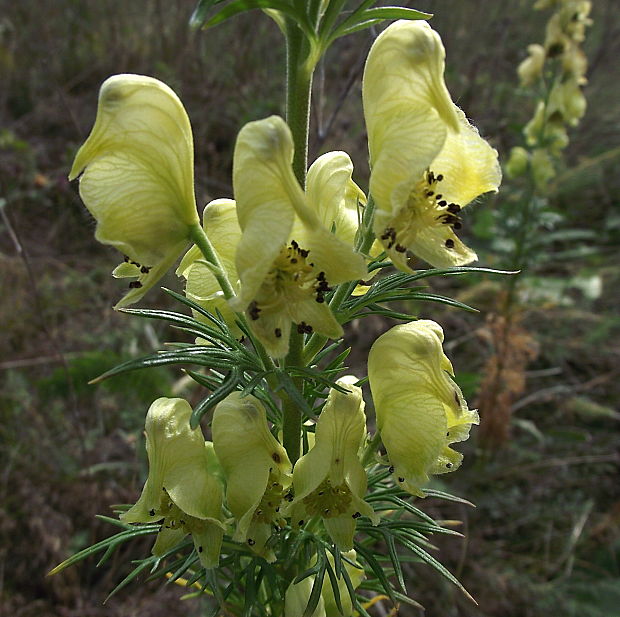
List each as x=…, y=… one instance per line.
x=298, y=95
x=201, y=240
x=371, y=448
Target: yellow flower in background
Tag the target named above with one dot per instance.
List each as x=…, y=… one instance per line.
x=219, y=220
x=137, y=179
x=427, y=161
x=287, y=258
x=420, y=410
x=329, y=481
x=256, y=467
x=181, y=489
x=531, y=68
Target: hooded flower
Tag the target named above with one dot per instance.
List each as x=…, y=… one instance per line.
x=329, y=481
x=288, y=258
x=221, y=226
x=137, y=179
x=256, y=466
x=180, y=490
x=427, y=161
x=420, y=410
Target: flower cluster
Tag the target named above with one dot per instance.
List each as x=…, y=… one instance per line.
x=264, y=265
x=559, y=66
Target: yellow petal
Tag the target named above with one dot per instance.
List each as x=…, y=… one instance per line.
x=468, y=164
x=405, y=66
x=138, y=168
x=248, y=453
x=265, y=191
x=419, y=409
x=177, y=464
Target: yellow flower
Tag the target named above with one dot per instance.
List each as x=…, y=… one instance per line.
x=287, y=258
x=181, y=489
x=256, y=467
x=420, y=410
x=137, y=179
x=219, y=220
x=518, y=162
x=329, y=481
x=531, y=68
x=427, y=161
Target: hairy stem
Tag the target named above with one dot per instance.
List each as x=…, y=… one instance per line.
x=298, y=95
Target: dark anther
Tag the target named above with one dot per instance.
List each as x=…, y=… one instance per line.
x=438, y=196
x=288, y=497
x=134, y=263
x=278, y=509
x=135, y=285
x=303, y=252
x=145, y=269
x=321, y=492
x=294, y=244
x=251, y=542
x=430, y=193
x=301, y=522
x=448, y=434
x=401, y=479
x=439, y=177
x=356, y=514
x=274, y=483
x=391, y=469
x=304, y=328
x=320, y=299
x=253, y=310
x=457, y=225
x=454, y=208
x=151, y=512
x=182, y=522
x=448, y=465
x=326, y=511
x=450, y=243
x=278, y=332
x=389, y=234
x=125, y=259
x=399, y=248
x=431, y=177
x=293, y=260
x=200, y=549
x=443, y=203
x=275, y=457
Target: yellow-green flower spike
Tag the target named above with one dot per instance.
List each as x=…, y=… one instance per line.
x=420, y=410
x=137, y=179
x=256, y=467
x=283, y=281
x=329, y=481
x=180, y=490
x=219, y=220
x=427, y=161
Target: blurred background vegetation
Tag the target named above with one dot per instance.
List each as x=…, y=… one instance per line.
x=545, y=536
